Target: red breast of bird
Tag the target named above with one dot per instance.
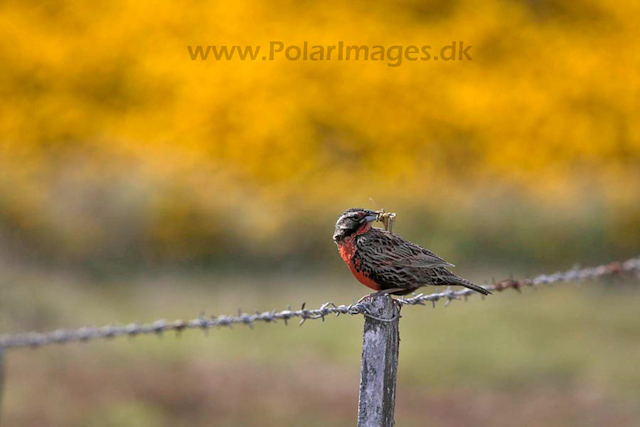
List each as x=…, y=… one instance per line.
x=348, y=249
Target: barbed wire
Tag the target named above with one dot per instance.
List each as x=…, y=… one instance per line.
x=574, y=275
x=39, y=339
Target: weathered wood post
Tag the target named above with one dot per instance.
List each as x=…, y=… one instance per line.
x=379, y=364
x=2, y=378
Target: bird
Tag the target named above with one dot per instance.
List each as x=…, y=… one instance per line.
x=387, y=263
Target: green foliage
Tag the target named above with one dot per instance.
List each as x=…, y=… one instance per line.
x=563, y=348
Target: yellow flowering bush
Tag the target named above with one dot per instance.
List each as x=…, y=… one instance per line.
x=112, y=136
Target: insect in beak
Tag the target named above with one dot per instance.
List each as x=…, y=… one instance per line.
x=386, y=218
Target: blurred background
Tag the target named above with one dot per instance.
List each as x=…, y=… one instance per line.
x=136, y=183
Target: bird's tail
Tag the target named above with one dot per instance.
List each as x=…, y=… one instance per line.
x=467, y=284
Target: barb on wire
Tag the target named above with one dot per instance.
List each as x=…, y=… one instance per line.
x=36, y=339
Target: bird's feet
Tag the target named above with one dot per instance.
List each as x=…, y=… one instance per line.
x=366, y=299
x=379, y=293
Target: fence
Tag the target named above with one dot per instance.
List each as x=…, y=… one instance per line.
x=380, y=337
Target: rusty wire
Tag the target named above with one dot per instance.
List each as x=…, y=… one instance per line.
x=37, y=339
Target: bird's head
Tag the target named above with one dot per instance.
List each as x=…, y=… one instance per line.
x=351, y=221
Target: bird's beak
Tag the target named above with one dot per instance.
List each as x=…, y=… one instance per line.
x=371, y=216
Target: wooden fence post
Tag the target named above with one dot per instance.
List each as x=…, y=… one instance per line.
x=2, y=378
x=379, y=364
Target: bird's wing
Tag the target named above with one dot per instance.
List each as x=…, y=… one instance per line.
x=392, y=250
